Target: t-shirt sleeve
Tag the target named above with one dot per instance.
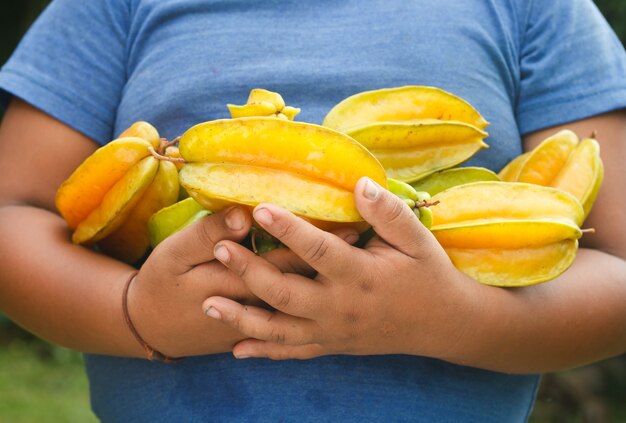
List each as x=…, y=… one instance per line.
x=572, y=67
x=71, y=64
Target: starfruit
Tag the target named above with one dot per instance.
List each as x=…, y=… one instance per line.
x=508, y=234
x=264, y=103
x=306, y=168
x=418, y=201
x=562, y=162
x=545, y=161
x=449, y=178
x=414, y=131
x=412, y=150
x=109, y=198
x=511, y=170
x=582, y=173
x=173, y=218
x=408, y=103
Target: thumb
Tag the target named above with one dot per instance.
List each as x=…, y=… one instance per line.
x=194, y=245
x=391, y=218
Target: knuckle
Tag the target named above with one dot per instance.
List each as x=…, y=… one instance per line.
x=395, y=210
x=317, y=251
x=206, y=235
x=284, y=229
x=167, y=252
x=276, y=336
x=243, y=269
x=281, y=296
x=235, y=321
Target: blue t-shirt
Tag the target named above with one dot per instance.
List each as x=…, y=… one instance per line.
x=98, y=66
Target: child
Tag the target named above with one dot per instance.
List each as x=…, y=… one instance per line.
x=403, y=336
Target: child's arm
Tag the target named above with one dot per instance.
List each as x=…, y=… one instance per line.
x=402, y=294
x=71, y=295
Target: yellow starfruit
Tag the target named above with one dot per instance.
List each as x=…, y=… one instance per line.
x=562, y=162
x=306, y=168
x=264, y=103
x=110, y=196
x=410, y=151
x=402, y=104
x=508, y=234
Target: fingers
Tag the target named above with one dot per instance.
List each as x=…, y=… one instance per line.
x=288, y=262
x=196, y=243
x=212, y=279
x=323, y=251
x=290, y=293
x=258, y=323
x=391, y=218
x=253, y=348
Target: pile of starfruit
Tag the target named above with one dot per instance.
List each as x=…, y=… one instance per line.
x=110, y=197
x=513, y=229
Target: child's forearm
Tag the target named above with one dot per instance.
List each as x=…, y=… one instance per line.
x=64, y=293
x=72, y=296
x=575, y=319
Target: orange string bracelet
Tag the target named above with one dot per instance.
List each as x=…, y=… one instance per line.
x=151, y=353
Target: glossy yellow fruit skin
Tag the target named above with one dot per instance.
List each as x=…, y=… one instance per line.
x=410, y=151
x=582, y=174
x=514, y=200
x=508, y=234
x=144, y=130
x=85, y=189
x=117, y=203
x=264, y=103
x=505, y=233
x=132, y=239
x=562, y=162
x=309, y=169
x=109, y=198
x=401, y=104
x=517, y=267
x=173, y=218
x=216, y=186
x=511, y=170
x=544, y=163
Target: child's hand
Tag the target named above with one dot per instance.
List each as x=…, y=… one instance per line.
x=401, y=294
x=165, y=297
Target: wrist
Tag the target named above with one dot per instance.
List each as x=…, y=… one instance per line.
x=471, y=323
x=149, y=352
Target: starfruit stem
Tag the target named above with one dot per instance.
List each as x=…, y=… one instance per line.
x=255, y=250
x=427, y=203
x=167, y=159
x=588, y=231
x=594, y=134
x=164, y=143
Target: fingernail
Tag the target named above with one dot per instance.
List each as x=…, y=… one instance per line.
x=263, y=216
x=213, y=312
x=235, y=219
x=371, y=190
x=221, y=253
x=241, y=356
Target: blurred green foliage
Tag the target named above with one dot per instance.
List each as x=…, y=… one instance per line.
x=15, y=18
x=615, y=13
